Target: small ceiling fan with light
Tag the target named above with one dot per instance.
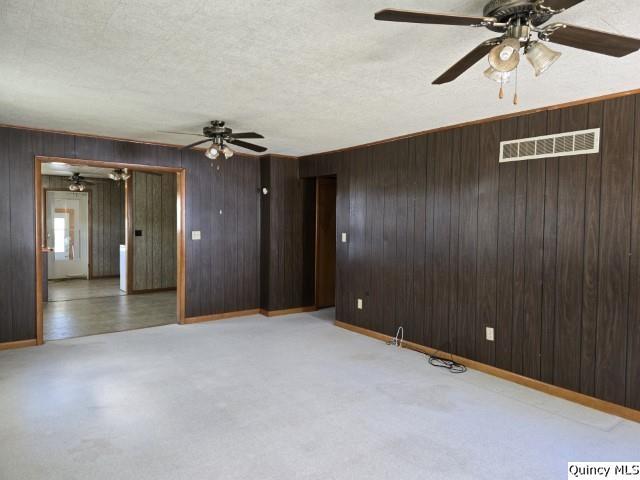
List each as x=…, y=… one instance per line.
x=119, y=175
x=521, y=24
x=217, y=133
x=78, y=183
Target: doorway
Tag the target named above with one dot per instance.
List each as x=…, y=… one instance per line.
x=110, y=253
x=325, y=264
x=67, y=232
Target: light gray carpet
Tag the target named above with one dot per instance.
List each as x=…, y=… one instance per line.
x=279, y=398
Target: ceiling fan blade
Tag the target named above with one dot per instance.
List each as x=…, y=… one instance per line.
x=561, y=4
x=247, y=145
x=195, y=144
x=467, y=61
x=182, y=133
x=246, y=135
x=592, y=40
x=392, y=15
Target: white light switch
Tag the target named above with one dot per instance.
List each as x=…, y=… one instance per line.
x=359, y=303
x=490, y=334
x=195, y=235
x=344, y=237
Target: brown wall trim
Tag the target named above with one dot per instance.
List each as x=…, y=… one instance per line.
x=128, y=231
x=587, y=401
x=40, y=246
x=19, y=344
x=105, y=137
x=279, y=155
x=410, y=135
x=110, y=165
x=181, y=269
x=287, y=311
x=221, y=316
x=484, y=120
x=151, y=290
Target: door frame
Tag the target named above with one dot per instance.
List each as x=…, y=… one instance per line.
x=316, y=263
x=40, y=247
x=89, y=227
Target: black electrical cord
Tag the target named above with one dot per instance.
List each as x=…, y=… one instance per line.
x=434, y=360
x=449, y=364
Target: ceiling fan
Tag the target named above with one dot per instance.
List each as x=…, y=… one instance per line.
x=119, y=175
x=520, y=23
x=218, y=134
x=78, y=183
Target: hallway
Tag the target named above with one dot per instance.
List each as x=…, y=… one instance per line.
x=89, y=307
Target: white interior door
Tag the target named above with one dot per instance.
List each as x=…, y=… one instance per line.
x=68, y=234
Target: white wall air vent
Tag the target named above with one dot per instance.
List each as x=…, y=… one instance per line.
x=560, y=145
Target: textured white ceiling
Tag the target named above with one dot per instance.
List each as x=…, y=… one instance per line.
x=311, y=75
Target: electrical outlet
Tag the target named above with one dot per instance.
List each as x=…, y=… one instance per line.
x=359, y=304
x=490, y=334
x=195, y=235
x=344, y=237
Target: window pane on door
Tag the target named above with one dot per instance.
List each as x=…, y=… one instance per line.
x=59, y=234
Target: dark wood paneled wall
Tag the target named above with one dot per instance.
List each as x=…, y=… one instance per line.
x=444, y=240
x=441, y=239
x=107, y=223
x=288, y=231
x=222, y=270
x=223, y=203
x=154, y=199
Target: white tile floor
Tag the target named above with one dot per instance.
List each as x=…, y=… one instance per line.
x=77, y=288
x=279, y=398
x=89, y=307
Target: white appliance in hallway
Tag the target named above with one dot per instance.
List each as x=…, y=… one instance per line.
x=123, y=268
x=67, y=227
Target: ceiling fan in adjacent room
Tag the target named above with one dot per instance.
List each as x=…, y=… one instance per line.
x=520, y=23
x=119, y=175
x=219, y=135
x=78, y=183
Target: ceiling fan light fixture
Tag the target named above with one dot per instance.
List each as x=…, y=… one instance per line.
x=541, y=57
x=497, y=76
x=212, y=152
x=506, y=56
x=119, y=174
x=521, y=23
x=73, y=187
x=81, y=187
x=506, y=52
x=227, y=152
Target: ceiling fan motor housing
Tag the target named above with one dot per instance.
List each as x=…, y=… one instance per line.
x=216, y=129
x=505, y=10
